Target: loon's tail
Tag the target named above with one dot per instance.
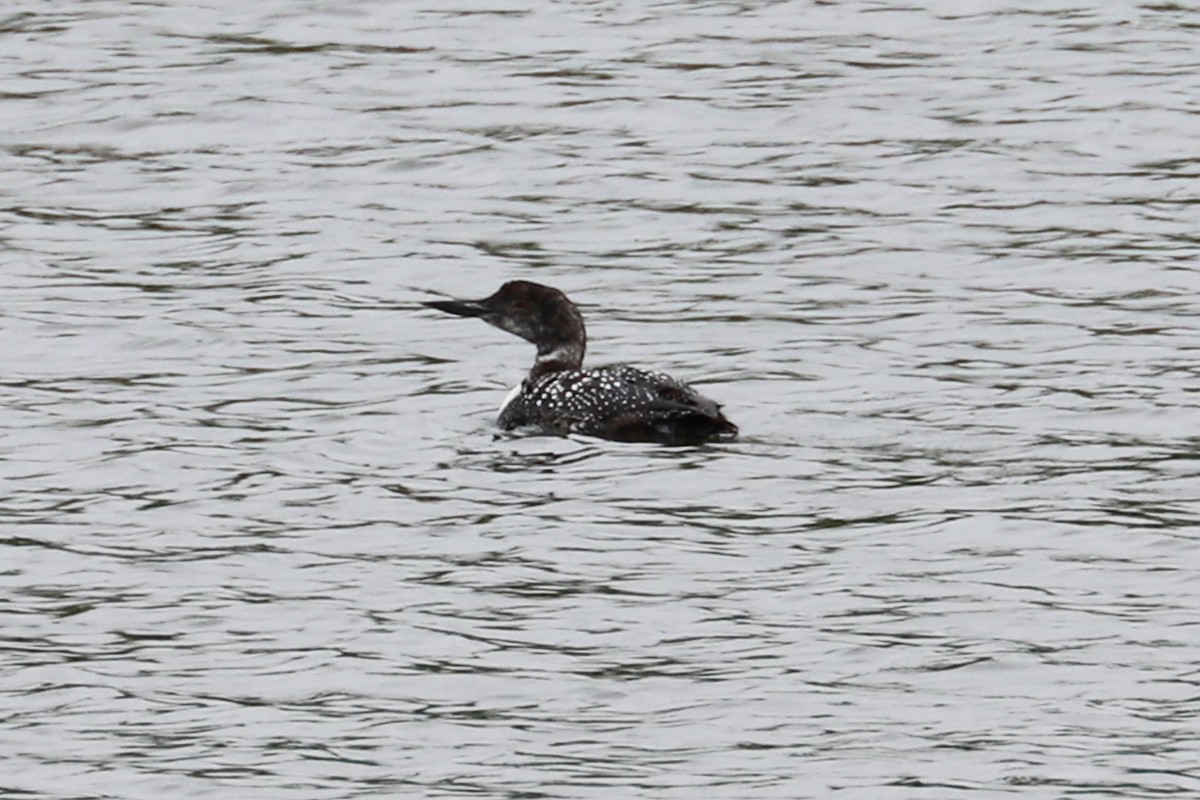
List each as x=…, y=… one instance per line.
x=672, y=424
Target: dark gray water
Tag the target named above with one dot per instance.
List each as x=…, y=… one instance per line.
x=939, y=263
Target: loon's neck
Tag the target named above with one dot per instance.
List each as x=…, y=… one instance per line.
x=556, y=358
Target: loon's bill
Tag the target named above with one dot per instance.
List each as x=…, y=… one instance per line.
x=560, y=397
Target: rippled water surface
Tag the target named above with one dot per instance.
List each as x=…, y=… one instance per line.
x=938, y=261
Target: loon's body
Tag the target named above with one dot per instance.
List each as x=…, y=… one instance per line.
x=560, y=397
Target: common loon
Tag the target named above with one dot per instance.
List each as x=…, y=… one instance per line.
x=560, y=397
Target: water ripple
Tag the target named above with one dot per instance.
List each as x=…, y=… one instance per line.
x=261, y=536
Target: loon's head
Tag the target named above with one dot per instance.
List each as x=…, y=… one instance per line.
x=537, y=313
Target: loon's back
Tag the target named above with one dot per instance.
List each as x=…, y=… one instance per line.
x=560, y=397
x=620, y=403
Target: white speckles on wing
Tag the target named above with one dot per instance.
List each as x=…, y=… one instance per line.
x=602, y=402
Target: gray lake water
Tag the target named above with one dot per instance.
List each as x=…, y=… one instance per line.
x=261, y=538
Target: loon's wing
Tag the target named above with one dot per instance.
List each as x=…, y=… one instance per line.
x=653, y=407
